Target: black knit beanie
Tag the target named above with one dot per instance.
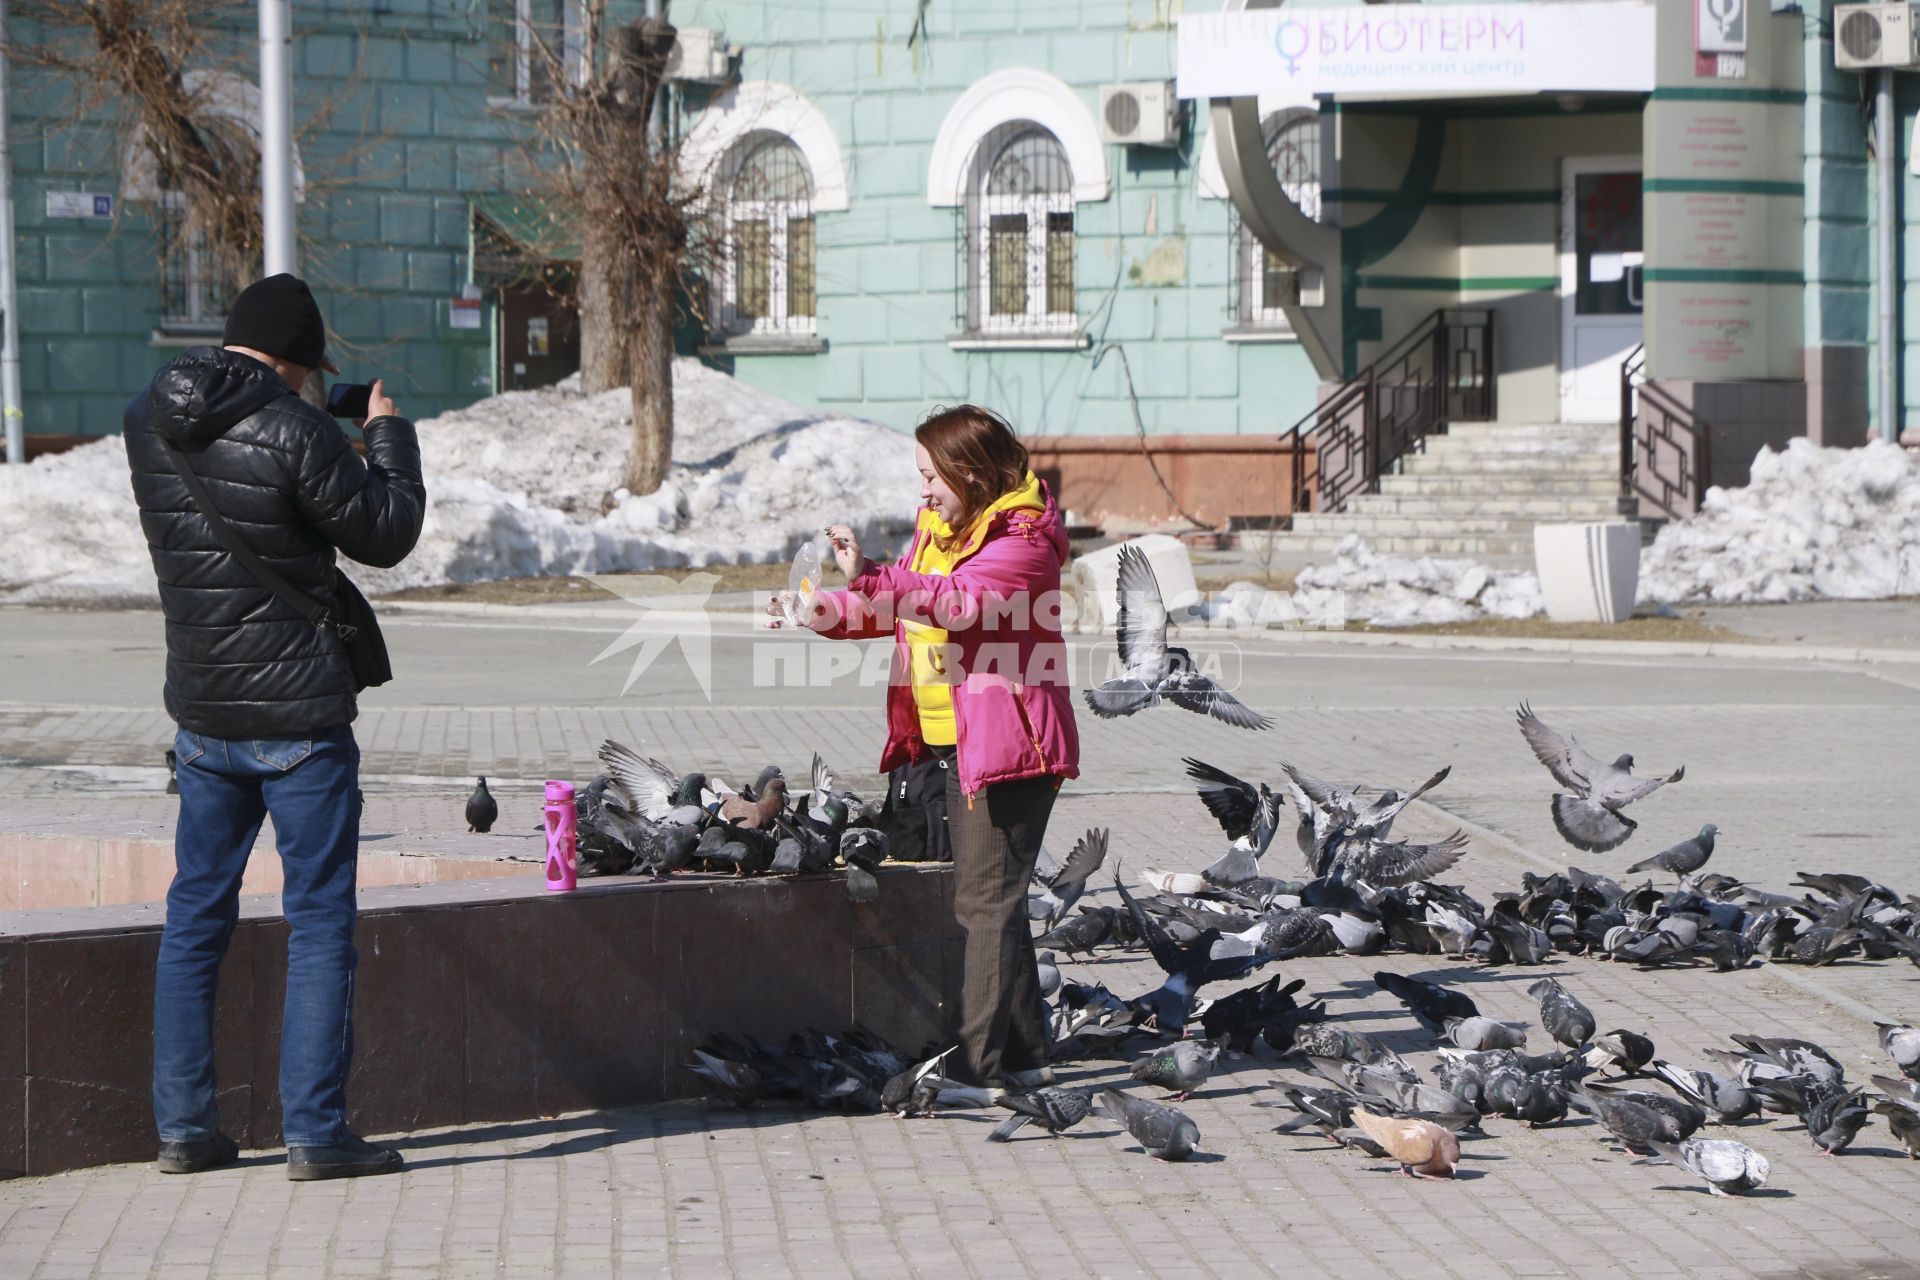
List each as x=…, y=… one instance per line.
x=279, y=316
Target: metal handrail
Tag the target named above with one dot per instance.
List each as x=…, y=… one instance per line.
x=1666, y=448
x=1440, y=372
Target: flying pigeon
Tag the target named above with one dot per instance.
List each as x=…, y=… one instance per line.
x=1590, y=818
x=1053, y=1109
x=1063, y=888
x=1682, y=859
x=1166, y=1133
x=1422, y=1149
x=1155, y=670
x=482, y=809
x=1727, y=1166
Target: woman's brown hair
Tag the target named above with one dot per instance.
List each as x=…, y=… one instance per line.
x=977, y=454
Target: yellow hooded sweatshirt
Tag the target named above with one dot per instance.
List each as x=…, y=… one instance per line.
x=932, y=691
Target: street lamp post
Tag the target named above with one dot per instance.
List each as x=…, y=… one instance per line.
x=276, y=135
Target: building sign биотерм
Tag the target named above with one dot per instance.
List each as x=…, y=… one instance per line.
x=1293, y=55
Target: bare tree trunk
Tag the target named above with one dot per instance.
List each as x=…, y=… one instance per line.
x=652, y=448
x=606, y=346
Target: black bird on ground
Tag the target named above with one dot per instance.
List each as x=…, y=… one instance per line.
x=1168, y=1006
x=173, y=772
x=1834, y=1122
x=1429, y=1002
x=482, y=809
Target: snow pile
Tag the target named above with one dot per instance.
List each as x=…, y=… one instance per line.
x=522, y=484
x=1811, y=524
x=71, y=530
x=1360, y=584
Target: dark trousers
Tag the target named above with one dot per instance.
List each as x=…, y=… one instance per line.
x=996, y=842
x=310, y=786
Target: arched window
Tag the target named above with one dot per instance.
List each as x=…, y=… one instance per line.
x=1262, y=281
x=766, y=280
x=1019, y=243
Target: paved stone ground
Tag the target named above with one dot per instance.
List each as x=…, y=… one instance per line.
x=1802, y=765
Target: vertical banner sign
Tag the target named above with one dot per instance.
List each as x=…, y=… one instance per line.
x=1720, y=38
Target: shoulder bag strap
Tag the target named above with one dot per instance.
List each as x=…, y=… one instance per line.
x=229, y=537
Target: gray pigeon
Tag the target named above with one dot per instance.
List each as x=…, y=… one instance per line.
x=1048, y=969
x=1051, y=1108
x=1903, y=1046
x=1479, y=1033
x=1153, y=669
x=1166, y=1133
x=1561, y=1013
x=1901, y=1107
x=1686, y=1117
x=482, y=809
x=1727, y=1166
x=1834, y=1122
x=1590, y=818
x=1635, y=1125
x=1723, y=1097
x=1682, y=859
x=1180, y=1067
x=1627, y=1052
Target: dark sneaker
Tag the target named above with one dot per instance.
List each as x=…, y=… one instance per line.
x=198, y=1154
x=353, y=1158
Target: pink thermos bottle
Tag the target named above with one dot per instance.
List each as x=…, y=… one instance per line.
x=562, y=872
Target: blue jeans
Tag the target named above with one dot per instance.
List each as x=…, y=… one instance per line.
x=227, y=786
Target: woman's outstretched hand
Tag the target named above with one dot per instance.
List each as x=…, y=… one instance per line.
x=846, y=550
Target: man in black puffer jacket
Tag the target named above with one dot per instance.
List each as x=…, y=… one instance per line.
x=265, y=701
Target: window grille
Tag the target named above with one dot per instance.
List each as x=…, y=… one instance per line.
x=1016, y=236
x=1263, y=284
x=765, y=283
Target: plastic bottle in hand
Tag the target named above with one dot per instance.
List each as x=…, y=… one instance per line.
x=563, y=872
x=803, y=580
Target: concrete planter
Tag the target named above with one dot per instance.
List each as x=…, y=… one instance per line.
x=1588, y=572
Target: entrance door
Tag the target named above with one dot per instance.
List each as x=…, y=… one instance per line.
x=539, y=339
x=1600, y=283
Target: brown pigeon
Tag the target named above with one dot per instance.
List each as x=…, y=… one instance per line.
x=756, y=814
x=1423, y=1148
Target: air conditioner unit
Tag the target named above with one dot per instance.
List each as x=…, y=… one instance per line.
x=700, y=56
x=1875, y=35
x=1144, y=114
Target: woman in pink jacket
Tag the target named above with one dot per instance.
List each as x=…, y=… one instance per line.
x=979, y=682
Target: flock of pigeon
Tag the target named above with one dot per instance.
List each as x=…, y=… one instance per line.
x=1360, y=891
x=1357, y=891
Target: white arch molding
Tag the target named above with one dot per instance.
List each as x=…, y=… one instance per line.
x=1017, y=93
x=765, y=106
x=229, y=97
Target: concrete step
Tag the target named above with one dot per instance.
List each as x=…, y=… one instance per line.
x=1518, y=431
x=1506, y=506
x=1372, y=526
x=1481, y=547
x=1568, y=465
x=1492, y=487
x=1455, y=448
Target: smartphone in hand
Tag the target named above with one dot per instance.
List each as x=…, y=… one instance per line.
x=349, y=400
